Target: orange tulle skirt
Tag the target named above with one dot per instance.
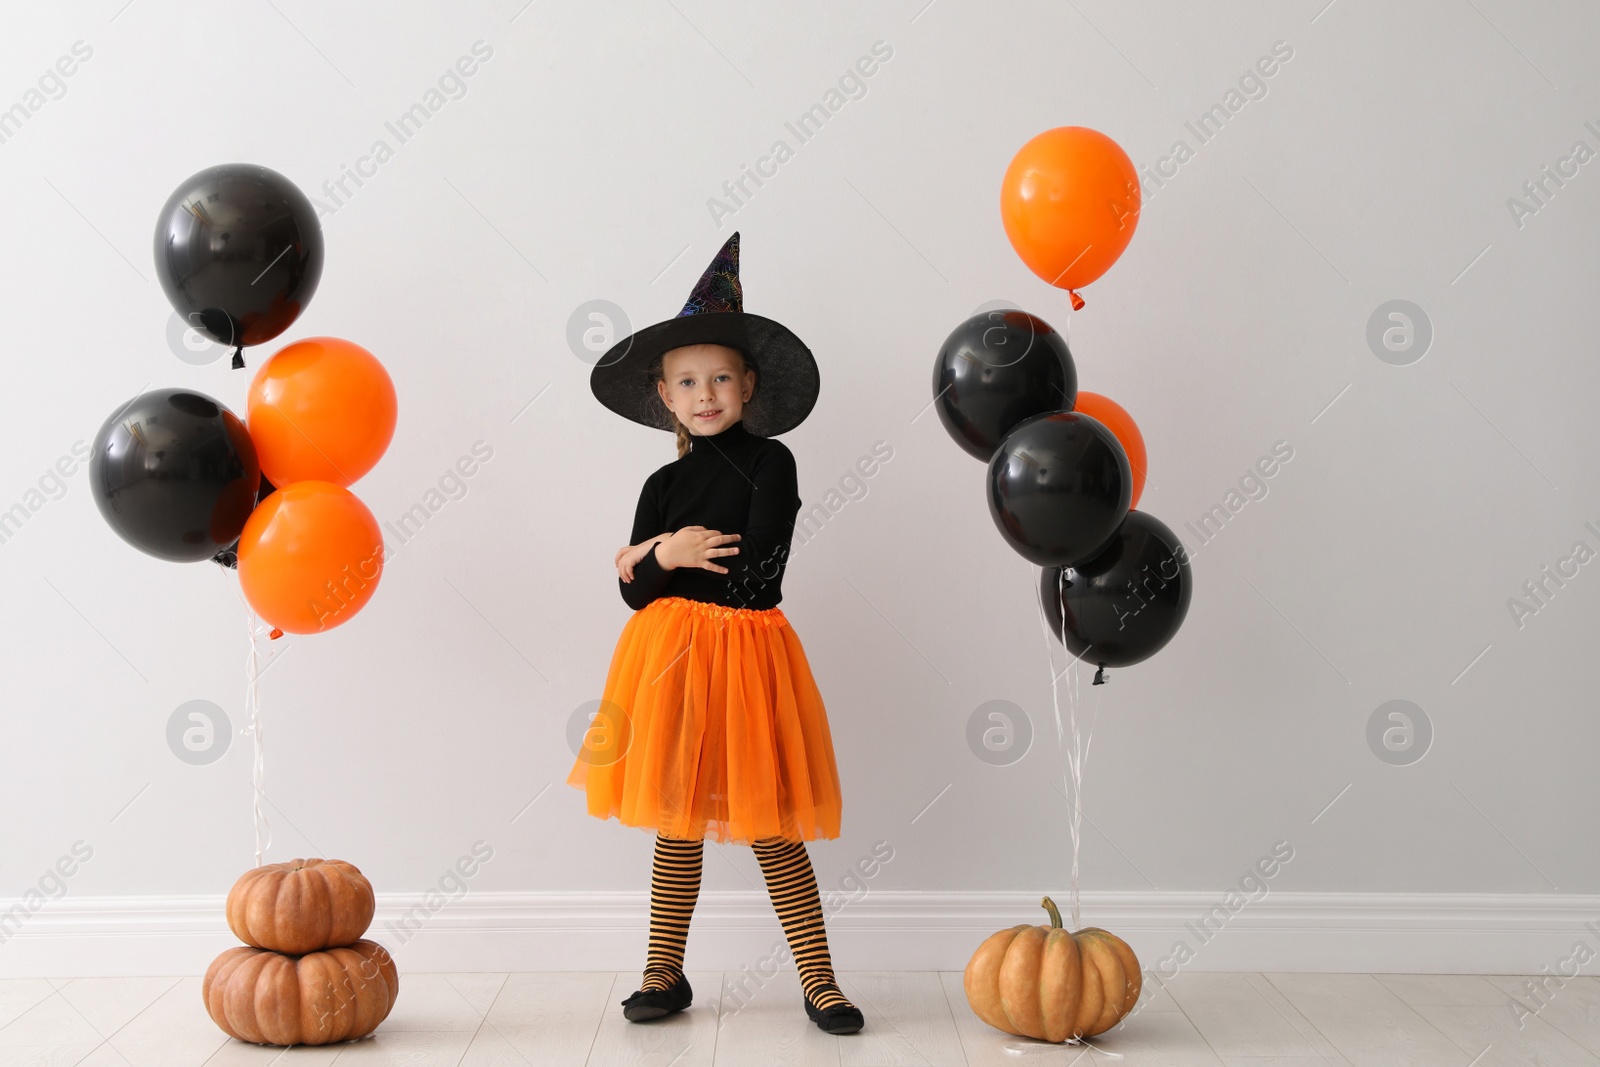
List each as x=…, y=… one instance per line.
x=711, y=726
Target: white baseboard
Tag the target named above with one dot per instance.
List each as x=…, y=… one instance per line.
x=1378, y=932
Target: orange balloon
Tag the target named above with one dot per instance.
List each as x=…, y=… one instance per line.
x=1122, y=427
x=1070, y=202
x=321, y=409
x=310, y=557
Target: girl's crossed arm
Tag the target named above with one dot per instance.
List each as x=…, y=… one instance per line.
x=649, y=561
x=699, y=545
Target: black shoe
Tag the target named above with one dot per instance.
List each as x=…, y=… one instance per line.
x=654, y=1003
x=838, y=1018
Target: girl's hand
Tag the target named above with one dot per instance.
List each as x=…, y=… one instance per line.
x=628, y=556
x=694, y=546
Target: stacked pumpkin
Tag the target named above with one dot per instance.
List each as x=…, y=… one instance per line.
x=304, y=975
x=1052, y=984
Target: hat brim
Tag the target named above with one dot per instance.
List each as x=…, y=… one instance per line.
x=786, y=373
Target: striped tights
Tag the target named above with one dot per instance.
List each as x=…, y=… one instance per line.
x=674, y=888
x=792, y=886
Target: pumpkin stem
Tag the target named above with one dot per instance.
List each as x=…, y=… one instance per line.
x=1055, y=913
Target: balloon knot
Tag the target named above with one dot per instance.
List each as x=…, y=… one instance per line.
x=238, y=358
x=276, y=633
x=1100, y=675
x=1077, y=301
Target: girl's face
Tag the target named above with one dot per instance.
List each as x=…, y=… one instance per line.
x=705, y=386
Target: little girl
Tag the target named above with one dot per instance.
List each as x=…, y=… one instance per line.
x=710, y=720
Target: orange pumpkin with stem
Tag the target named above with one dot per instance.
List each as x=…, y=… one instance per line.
x=1048, y=983
x=301, y=906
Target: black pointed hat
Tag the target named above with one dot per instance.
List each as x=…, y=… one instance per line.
x=787, y=381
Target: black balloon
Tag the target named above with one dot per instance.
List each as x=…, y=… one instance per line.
x=229, y=557
x=239, y=252
x=1125, y=604
x=996, y=369
x=1059, y=485
x=175, y=474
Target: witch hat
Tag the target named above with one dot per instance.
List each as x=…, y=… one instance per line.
x=787, y=380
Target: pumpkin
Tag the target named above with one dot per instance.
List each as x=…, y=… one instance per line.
x=301, y=906
x=1044, y=982
x=272, y=999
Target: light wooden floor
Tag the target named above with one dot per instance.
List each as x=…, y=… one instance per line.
x=541, y=1019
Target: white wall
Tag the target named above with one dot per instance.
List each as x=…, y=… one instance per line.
x=578, y=166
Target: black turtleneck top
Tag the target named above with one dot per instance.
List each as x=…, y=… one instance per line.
x=732, y=482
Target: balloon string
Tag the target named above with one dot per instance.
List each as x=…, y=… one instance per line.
x=252, y=700
x=1075, y=762
x=1072, y=777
